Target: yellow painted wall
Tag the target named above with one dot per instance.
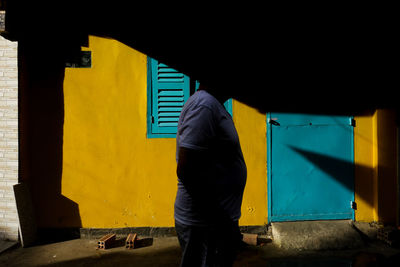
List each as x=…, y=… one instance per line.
x=251, y=127
x=116, y=175
x=120, y=178
x=375, y=155
x=364, y=147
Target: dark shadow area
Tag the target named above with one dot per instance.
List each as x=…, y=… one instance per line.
x=360, y=259
x=41, y=120
x=299, y=60
x=330, y=262
x=330, y=165
x=49, y=235
x=387, y=206
x=333, y=166
x=162, y=257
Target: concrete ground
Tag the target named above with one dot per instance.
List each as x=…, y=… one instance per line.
x=166, y=252
x=308, y=243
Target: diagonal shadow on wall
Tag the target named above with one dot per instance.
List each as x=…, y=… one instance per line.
x=364, y=177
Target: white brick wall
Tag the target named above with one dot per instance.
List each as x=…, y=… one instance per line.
x=8, y=138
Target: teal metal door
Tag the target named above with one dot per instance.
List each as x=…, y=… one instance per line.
x=310, y=167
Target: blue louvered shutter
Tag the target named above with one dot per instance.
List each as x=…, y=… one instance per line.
x=170, y=90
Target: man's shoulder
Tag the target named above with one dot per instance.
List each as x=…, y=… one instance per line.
x=204, y=99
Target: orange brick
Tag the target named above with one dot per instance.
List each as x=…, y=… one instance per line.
x=130, y=241
x=106, y=241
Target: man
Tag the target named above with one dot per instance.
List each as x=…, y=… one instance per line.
x=211, y=179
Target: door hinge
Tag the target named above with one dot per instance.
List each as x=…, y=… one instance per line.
x=152, y=119
x=352, y=122
x=353, y=205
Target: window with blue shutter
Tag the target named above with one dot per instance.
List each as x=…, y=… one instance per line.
x=168, y=91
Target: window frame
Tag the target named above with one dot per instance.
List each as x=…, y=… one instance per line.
x=153, y=132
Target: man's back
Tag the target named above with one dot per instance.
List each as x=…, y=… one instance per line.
x=206, y=128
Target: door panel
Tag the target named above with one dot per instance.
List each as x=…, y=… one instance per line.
x=310, y=165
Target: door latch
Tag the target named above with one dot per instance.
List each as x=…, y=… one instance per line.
x=274, y=122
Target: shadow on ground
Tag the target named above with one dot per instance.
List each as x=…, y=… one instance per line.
x=166, y=252
x=165, y=257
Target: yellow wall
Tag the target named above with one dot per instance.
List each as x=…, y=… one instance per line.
x=118, y=176
x=251, y=127
x=375, y=155
x=364, y=147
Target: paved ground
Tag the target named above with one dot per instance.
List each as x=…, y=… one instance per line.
x=5, y=245
x=166, y=252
